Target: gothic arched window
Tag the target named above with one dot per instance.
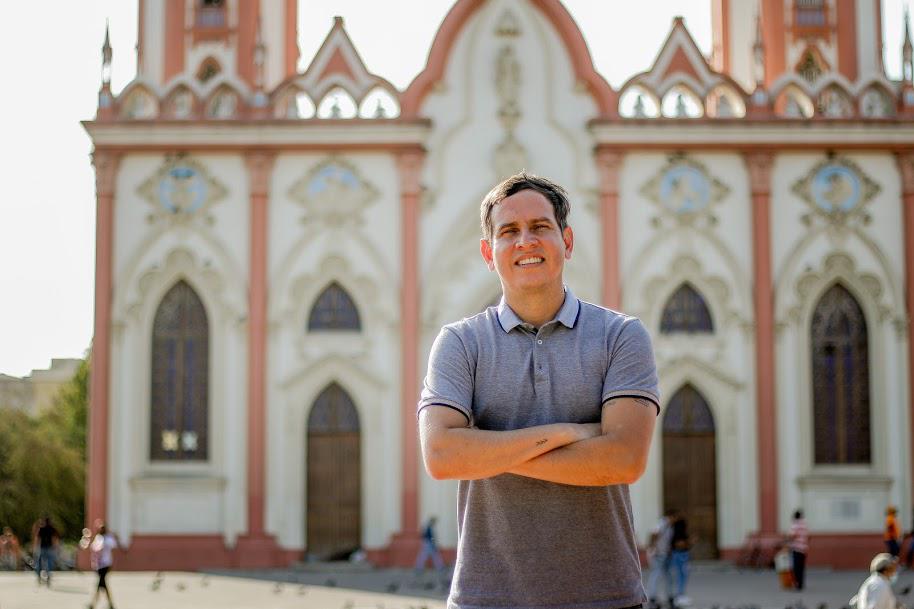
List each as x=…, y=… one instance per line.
x=686, y=311
x=334, y=310
x=840, y=379
x=180, y=377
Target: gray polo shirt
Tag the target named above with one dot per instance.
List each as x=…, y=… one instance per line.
x=525, y=543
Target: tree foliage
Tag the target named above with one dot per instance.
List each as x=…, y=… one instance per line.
x=43, y=463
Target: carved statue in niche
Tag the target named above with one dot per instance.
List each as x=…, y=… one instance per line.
x=510, y=155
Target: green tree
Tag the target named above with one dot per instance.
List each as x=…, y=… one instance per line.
x=42, y=463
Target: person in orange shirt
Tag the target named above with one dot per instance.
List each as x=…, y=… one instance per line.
x=892, y=534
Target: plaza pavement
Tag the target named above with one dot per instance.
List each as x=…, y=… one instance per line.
x=711, y=586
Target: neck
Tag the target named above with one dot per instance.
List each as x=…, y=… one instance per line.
x=536, y=308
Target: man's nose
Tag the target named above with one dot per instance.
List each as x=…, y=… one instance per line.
x=526, y=238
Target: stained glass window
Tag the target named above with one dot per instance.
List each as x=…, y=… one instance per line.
x=686, y=311
x=334, y=310
x=180, y=378
x=840, y=379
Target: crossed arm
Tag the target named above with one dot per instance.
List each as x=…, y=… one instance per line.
x=613, y=451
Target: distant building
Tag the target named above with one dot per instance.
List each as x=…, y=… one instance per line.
x=35, y=393
x=276, y=252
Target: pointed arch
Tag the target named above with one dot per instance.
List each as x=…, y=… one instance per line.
x=379, y=103
x=179, y=409
x=337, y=103
x=333, y=411
x=688, y=412
x=686, y=311
x=681, y=102
x=638, y=102
x=139, y=104
x=223, y=103
x=793, y=102
x=334, y=309
x=840, y=379
x=180, y=103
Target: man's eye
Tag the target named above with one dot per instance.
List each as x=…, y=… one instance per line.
x=509, y=231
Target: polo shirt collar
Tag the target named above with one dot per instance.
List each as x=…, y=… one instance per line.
x=567, y=315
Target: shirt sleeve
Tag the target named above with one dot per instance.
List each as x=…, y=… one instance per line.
x=449, y=380
x=631, y=371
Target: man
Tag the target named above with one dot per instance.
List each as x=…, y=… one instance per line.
x=876, y=590
x=799, y=547
x=543, y=408
x=45, y=540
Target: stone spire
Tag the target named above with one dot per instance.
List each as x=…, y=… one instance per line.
x=907, y=63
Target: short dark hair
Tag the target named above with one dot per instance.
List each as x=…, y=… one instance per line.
x=798, y=514
x=554, y=193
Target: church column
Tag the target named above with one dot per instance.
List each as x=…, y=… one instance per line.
x=759, y=166
x=106, y=165
x=906, y=168
x=405, y=543
x=255, y=548
x=609, y=163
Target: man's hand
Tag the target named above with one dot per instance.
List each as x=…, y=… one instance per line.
x=451, y=450
x=617, y=456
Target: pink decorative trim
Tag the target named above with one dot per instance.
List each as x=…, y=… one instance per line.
x=554, y=11
x=248, y=15
x=174, y=39
x=774, y=38
x=759, y=166
x=906, y=169
x=106, y=166
x=409, y=165
x=847, y=38
x=259, y=165
x=609, y=164
x=291, y=23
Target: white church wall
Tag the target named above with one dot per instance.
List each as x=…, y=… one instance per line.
x=153, y=250
x=661, y=250
x=322, y=231
x=862, y=252
x=549, y=139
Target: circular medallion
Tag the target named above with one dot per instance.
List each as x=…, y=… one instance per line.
x=685, y=189
x=836, y=188
x=183, y=190
x=332, y=178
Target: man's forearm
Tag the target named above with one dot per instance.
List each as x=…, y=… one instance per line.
x=595, y=462
x=472, y=454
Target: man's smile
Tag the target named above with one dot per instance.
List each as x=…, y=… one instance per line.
x=529, y=260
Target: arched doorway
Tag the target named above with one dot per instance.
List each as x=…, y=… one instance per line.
x=334, y=518
x=689, y=467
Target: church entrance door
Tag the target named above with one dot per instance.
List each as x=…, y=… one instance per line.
x=689, y=468
x=334, y=484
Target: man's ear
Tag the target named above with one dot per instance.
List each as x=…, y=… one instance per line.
x=485, y=248
x=568, y=238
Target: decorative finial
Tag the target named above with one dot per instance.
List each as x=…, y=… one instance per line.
x=107, y=55
x=758, y=50
x=260, y=57
x=907, y=53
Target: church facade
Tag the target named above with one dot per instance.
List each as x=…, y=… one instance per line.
x=277, y=250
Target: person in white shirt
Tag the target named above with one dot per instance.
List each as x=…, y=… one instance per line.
x=876, y=591
x=658, y=556
x=102, y=547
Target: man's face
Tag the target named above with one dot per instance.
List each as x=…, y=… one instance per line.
x=527, y=250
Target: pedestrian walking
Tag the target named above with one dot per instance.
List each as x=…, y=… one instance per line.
x=658, y=557
x=9, y=550
x=45, y=541
x=102, y=558
x=799, y=548
x=876, y=591
x=681, y=543
x=892, y=535
x=429, y=549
